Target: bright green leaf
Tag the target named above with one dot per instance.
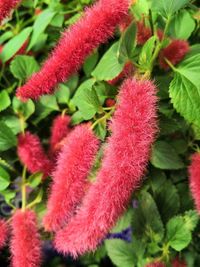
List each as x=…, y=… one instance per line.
x=4, y=179
x=26, y=109
x=4, y=100
x=109, y=66
x=22, y=67
x=35, y=179
x=40, y=24
x=178, y=234
x=11, y=48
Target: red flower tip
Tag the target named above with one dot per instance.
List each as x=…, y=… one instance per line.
x=25, y=240
x=178, y=263
x=3, y=233
x=174, y=52
x=143, y=33
x=110, y=102
x=70, y=177
x=125, y=23
x=6, y=7
x=127, y=72
x=32, y=154
x=133, y=127
x=95, y=27
x=194, y=173
x=59, y=130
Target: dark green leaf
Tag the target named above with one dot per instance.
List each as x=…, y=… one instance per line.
x=4, y=179
x=165, y=157
x=7, y=138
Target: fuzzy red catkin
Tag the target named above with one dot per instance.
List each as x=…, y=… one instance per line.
x=133, y=131
x=174, y=52
x=25, y=241
x=194, y=179
x=3, y=232
x=70, y=177
x=59, y=130
x=94, y=28
x=6, y=7
x=32, y=154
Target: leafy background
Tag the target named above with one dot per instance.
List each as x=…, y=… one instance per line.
x=161, y=215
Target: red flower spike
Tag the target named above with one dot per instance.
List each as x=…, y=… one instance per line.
x=25, y=240
x=6, y=7
x=143, y=33
x=178, y=263
x=3, y=233
x=32, y=154
x=70, y=177
x=59, y=130
x=194, y=173
x=95, y=27
x=174, y=52
x=133, y=131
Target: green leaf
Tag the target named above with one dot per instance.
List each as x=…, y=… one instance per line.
x=108, y=67
x=58, y=20
x=185, y=97
x=40, y=24
x=12, y=122
x=49, y=101
x=147, y=53
x=178, y=234
x=124, y=221
x=4, y=179
x=140, y=8
x=182, y=25
x=22, y=67
x=165, y=157
x=90, y=63
x=191, y=218
x=62, y=94
x=7, y=138
x=8, y=195
x=4, y=100
x=146, y=219
x=11, y=48
x=120, y=252
x=87, y=100
x=127, y=43
x=169, y=7
x=35, y=179
x=26, y=109
x=167, y=200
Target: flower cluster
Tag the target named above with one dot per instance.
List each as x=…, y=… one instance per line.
x=6, y=7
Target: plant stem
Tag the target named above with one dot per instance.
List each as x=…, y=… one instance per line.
x=23, y=189
x=105, y=117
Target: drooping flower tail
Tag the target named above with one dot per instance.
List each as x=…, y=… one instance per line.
x=70, y=177
x=194, y=179
x=94, y=28
x=32, y=154
x=59, y=130
x=174, y=52
x=3, y=233
x=133, y=131
x=25, y=240
x=178, y=263
x=6, y=7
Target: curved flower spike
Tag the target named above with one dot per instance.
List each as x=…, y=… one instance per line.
x=126, y=157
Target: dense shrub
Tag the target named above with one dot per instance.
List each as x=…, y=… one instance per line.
x=99, y=133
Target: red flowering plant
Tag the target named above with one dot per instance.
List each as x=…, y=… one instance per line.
x=99, y=133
